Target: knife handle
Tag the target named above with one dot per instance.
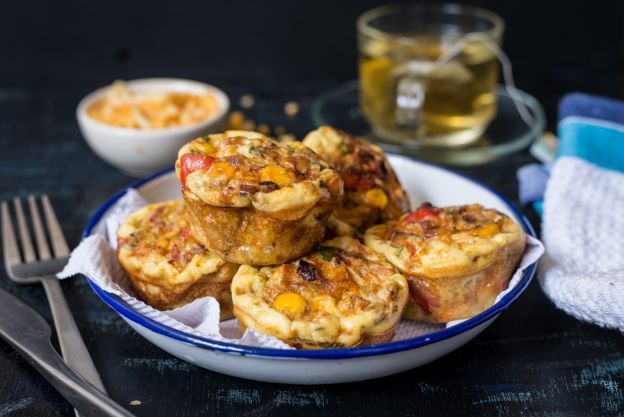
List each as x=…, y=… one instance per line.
x=85, y=397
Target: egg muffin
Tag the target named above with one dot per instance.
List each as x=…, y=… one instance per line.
x=253, y=200
x=373, y=193
x=166, y=265
x=456, y=259
x=340, y=295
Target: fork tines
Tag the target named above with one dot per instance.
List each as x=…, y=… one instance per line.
x=9, y=241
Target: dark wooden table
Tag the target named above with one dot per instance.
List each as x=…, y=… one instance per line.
x=533, y=361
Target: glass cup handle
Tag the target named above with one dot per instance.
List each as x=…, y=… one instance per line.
x=410, y=98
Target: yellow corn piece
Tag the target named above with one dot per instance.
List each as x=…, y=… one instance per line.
x=376, y=198
x=205, y=147
x=222, y=169
x=323, y=303
x=290, y=303
x=277, y=174
x=488, y=230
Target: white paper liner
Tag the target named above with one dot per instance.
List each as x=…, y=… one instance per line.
x=96, y=258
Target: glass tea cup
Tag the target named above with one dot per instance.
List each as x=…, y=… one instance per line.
x=428, y=74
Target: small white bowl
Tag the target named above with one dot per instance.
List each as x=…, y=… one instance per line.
x=139, y=152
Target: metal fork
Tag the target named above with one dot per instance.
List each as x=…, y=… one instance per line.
x=29, y=270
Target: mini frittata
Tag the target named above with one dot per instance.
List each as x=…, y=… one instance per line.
x=373, y=193
x=456, y=259
x=255, y=201
x=166, y=265
x=340, y=295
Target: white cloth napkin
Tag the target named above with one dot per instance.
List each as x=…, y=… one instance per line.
x=96, y=258
x=583, y=231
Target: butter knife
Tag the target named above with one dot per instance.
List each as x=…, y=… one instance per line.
x=29, y=334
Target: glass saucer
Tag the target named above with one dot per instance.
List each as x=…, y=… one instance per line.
x=506, y=134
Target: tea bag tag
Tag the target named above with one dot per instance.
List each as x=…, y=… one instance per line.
x=410, y=98
x=410, y=92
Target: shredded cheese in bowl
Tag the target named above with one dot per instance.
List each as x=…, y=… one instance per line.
x=151, y=110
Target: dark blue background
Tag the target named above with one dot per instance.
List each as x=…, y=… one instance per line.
x=556, y=46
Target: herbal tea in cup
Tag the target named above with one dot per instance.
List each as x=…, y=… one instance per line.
x=428, y=73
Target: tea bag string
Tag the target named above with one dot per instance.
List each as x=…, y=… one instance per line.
x=508, y=78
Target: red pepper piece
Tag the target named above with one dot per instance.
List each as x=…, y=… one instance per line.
x=175, y=254
x=357, y=182
x=191, y=162
x=421, y=214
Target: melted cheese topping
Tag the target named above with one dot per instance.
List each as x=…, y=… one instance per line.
x=252, y=169
x=458, y=240
x=155, y=246
x=373, y=193
x=333, y=297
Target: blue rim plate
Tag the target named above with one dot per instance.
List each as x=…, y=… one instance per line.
x=344, y=353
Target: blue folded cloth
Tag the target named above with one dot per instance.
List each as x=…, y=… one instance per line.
x=590, y=128
x=591, y=107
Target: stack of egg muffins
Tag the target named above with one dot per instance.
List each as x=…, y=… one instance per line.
x=313, y=242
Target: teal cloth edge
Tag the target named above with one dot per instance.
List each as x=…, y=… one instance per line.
x=596, y=141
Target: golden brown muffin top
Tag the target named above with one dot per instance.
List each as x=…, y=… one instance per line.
x=373, y=192
x=240, y=168
x=436, y=242
x=342, y=269
x=343, y=287
x=157, y=241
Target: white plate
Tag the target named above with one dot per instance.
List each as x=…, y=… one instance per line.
x=423, y=182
